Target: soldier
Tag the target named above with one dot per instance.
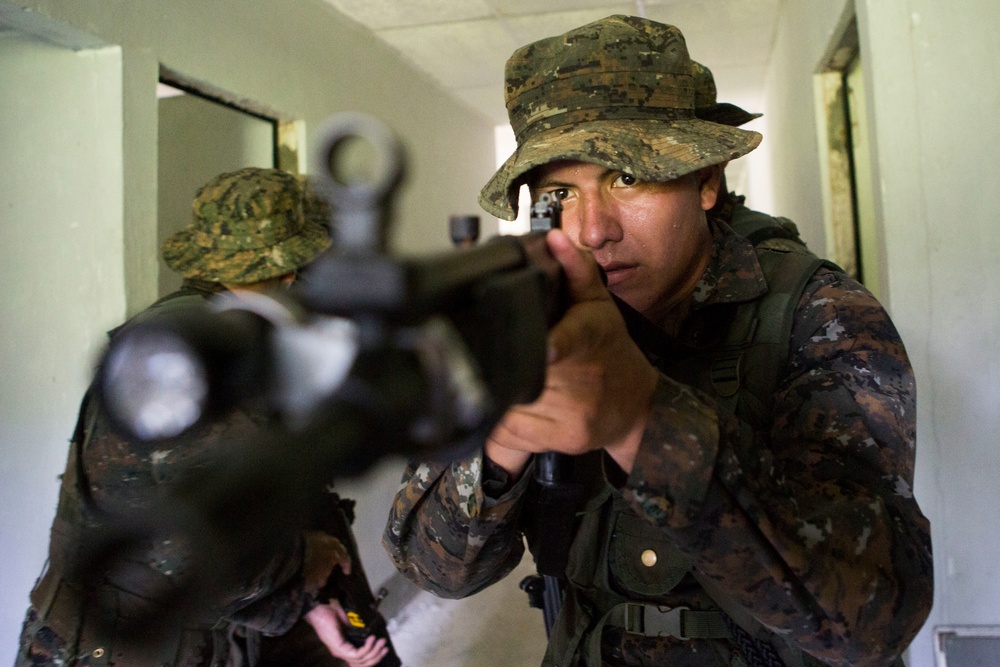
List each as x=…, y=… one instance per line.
x=747, y=471
x=252, y=230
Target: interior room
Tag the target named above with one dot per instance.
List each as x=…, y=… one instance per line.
x=880, y=141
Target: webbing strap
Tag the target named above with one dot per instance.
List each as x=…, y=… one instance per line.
x=748, y=364
x=679, y=622
x=652, y=620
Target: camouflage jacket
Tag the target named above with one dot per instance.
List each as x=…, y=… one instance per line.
x=809, y=523
x=107, y=471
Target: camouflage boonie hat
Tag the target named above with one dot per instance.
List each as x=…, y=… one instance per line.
x=618, y=92
x=249, y=225
x=705, y=105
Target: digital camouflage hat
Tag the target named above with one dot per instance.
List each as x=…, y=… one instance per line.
x=707, y=107
x=249, y=225
x=618, y=92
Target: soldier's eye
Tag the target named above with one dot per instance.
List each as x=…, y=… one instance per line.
x=626, y=180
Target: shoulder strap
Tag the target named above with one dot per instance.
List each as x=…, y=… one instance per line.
x=758, y=227
x=186, y=296
x=787, y=273
x=746, y=367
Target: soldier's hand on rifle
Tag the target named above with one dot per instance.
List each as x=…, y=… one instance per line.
x=327, y=620
x=598, y=383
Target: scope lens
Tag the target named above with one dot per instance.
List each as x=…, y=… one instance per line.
x=154, y=384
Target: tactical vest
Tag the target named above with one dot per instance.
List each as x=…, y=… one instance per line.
x=66, y=606
x=740, y=371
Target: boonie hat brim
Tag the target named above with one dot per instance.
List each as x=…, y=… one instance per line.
x=649, y=149
x=192, y=255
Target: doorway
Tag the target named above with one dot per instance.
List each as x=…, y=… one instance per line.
x=200, y=138
x=852, y=232
x=205, y=131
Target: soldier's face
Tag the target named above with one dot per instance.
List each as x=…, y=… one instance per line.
x=651, y=238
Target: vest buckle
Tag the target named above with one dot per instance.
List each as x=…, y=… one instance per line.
x=725, y=374
x=655, y=621
x=652, y=620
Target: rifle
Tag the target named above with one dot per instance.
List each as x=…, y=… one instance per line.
x=371, y=354
x=557, y=497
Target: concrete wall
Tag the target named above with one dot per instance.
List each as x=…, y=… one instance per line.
x=61, y=271
x=931, y=70
x=77, y=256
x=934, y=70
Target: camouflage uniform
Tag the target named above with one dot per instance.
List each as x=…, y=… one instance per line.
x=249, y=226
x=798, y=520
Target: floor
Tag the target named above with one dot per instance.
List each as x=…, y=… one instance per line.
x=494, y=628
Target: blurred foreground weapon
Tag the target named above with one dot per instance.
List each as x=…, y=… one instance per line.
x=370, y=355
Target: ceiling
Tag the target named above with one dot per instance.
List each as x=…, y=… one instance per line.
x=463, y=44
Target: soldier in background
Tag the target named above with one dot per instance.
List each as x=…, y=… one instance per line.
x=747, y=472
x=252, y=231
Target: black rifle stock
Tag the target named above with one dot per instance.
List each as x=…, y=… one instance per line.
x=558, y=496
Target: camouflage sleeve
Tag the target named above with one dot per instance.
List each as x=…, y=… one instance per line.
x=449, y=537
x=811, y=526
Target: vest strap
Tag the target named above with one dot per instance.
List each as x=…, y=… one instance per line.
x=651, y=620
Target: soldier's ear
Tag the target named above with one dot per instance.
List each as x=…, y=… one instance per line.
x=709, y=180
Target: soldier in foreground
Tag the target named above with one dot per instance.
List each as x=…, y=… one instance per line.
x=747, y=475
x=253, y=229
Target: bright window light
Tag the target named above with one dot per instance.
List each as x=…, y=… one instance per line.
x=505, y=146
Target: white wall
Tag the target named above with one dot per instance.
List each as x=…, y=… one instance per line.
x=783, y=173
x=932, y=70
x=61, y=269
